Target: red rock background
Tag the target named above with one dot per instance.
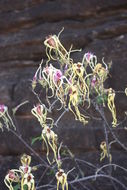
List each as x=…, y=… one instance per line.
x=98, y=26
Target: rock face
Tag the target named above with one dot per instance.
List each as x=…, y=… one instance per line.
x=96, y=26
x=93, y=26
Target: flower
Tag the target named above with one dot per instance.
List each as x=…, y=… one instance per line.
x=3, y=108
x=104, y=152
x=61, y=177
x=57, y=76
x=49, y=133
x=25, y=160
x=50, y=40
x=46, y=70
x=39, y=110
x=28, y=179
x=88, y=56
x=34, y=82
x=94, y=80
x=11, y=175
x=25, y=169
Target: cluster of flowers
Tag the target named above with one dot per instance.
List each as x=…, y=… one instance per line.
x=22, y=176
x=5, y=119
x=50, y=139
x=47, y=135
x=74, y=84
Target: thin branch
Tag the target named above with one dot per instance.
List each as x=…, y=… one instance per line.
x=99, y=176
x=115, y=165
x=29, y=147
x=114, y=136
x=59, y=118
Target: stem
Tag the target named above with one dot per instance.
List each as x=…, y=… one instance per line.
x=57, y=121
x=29, y=147
x=115, y=165
x=114, y=136
x=99, y=175
x=42, y=176
x=51, y=106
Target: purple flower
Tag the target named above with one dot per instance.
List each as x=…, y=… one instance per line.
x=34, y=82
x=58, y=75
x=51, y=41
x=88, y=56
x=47, y=70
x=93, y=82
x=59, y=157
x=34, y=78
x=2, y=108
x=39, y=109
x=11, y=175
x=66, y=67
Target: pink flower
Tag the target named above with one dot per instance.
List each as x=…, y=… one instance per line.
x=58, y=75
x=40, y=78
x=26, y=169
x=70, y=80
x=88, y=56
x=93, y=82
x=51, y=41
x=46, y=70
x=39, y=111
x=34, y=78
x=2, y=108
x=66, y=67
x=11, y=175
x=34, y=82
x=59, y=158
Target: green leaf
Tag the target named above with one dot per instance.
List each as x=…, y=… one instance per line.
x=64, y=153
x=88, y=81
x=36, y=139
x=105, y=98
x=25, y=187
x=51, y=172
x=16, y=187
x=99, y=100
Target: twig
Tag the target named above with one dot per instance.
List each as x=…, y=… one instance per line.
x=98, y=176
x=29, y=147
x=115, y=165
x=41, y=177
x=114, y=136
x=46, y=185
x=59, y=118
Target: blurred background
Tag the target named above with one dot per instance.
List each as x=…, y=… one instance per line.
x=96, y=26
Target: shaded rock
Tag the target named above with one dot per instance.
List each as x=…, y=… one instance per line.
x=94, y=26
